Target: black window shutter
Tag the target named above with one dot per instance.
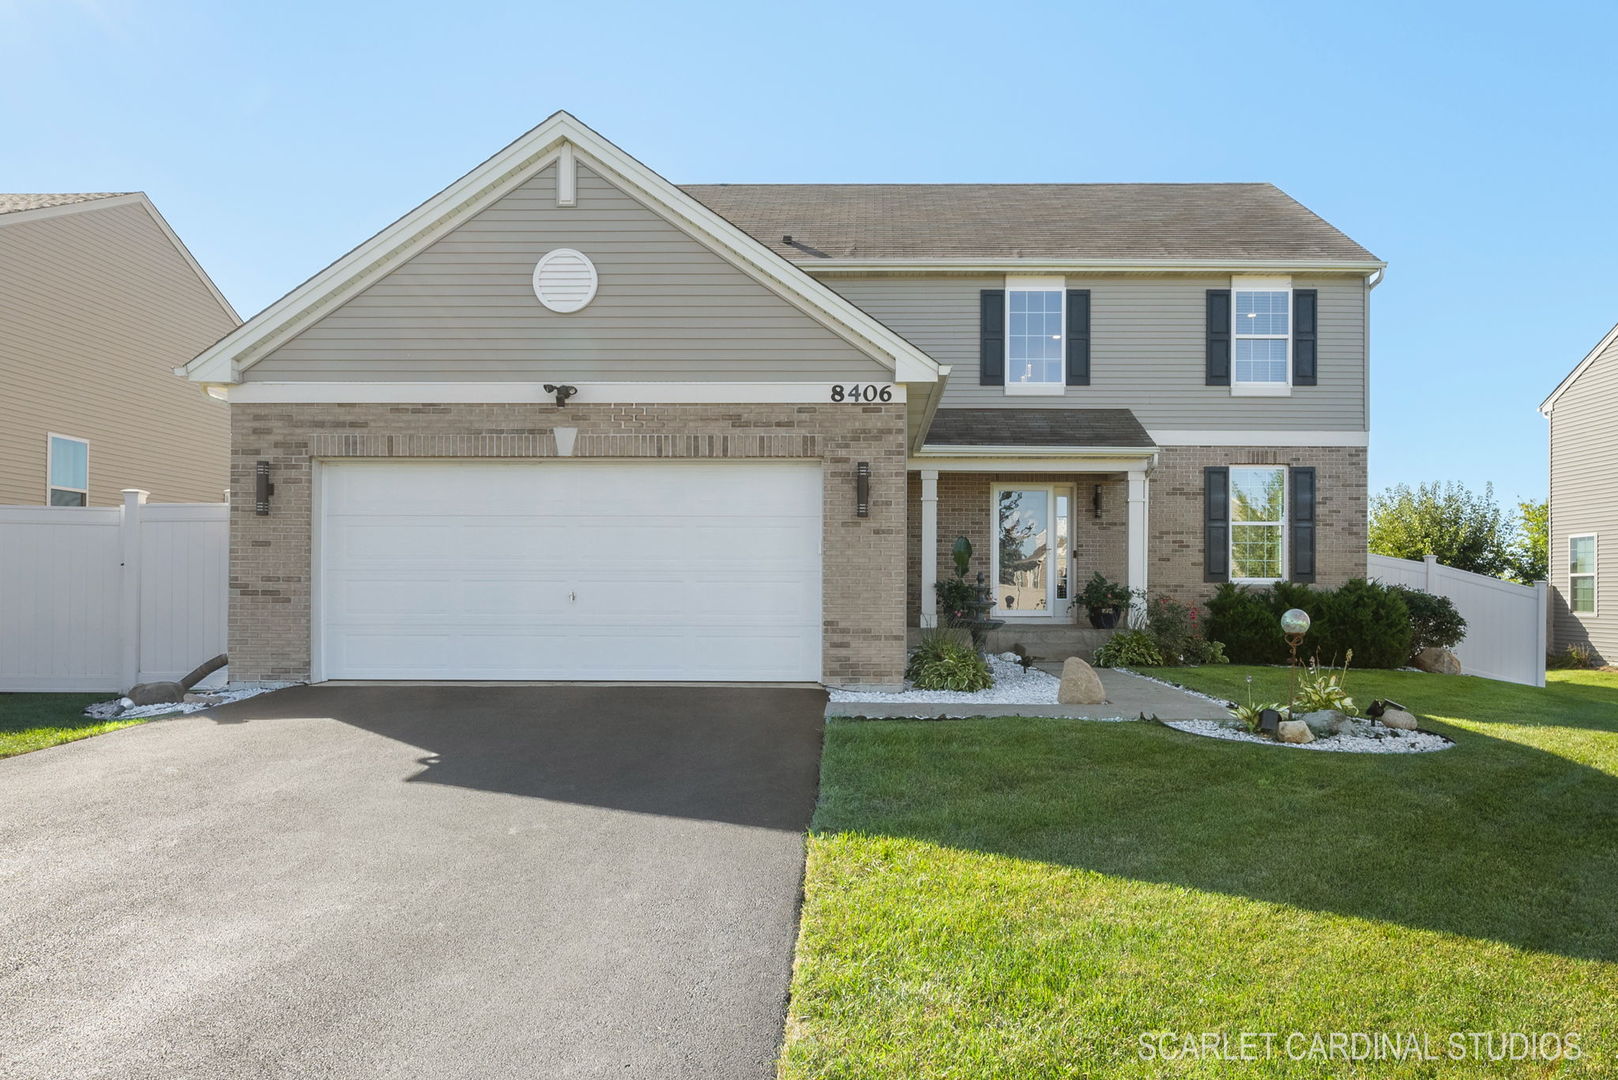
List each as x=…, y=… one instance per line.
x=1218, y=337
x=1078, y=337
x=992, y=337
x=1216, y=523
x=1302, y=517
x=1304, y=321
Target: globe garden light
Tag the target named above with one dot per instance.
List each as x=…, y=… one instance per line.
x=1295, y=621
x=1294, y=624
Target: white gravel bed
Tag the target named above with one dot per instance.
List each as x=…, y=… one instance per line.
x=121, y=709
x=1394, y=742
x=1012, y=686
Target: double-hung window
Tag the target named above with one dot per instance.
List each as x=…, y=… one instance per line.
x=1581, y=574
x=1258, y=519
x=1036, y=335
x=1261, y=335
x=68, y=471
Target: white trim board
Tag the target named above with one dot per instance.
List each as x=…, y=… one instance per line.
x=560, y=134
x=1060, y=266
x=1033, y=465
x=797, y=393
x=1248, y=437
x=1562, y=387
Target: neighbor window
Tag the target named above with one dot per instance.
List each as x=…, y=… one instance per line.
x=1258, y=514
x=1261, y=313
x=1581, y=574
x=69, y=471
x=1036, y=334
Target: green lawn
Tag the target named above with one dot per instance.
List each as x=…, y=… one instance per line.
x=34, y=721
x=1025, y=898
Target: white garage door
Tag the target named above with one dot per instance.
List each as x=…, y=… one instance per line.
x=570, y=570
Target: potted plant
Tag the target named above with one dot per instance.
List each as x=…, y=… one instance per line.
x=1104, y=601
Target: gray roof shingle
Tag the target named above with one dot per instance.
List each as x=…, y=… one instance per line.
x=11, y=203
x=1233, y=222
x=1038, y=427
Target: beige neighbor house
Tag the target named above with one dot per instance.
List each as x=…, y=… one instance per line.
x=99, y=301
x=568, y=420
x=1583, y=415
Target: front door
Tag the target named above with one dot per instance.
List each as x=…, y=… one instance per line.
x=1032, y=550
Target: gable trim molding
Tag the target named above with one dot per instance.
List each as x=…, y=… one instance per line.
x=561, y=135
x=1566, y=384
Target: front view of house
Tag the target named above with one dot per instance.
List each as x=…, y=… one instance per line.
x=566, y=420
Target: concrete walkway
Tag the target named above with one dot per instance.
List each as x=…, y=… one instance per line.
x=1128, y=696
x=447, y=882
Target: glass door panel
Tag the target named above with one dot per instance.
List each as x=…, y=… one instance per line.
x=1022, y=557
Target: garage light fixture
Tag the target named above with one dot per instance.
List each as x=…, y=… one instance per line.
x=262, y=489
x=562, y=391
x=862, y=489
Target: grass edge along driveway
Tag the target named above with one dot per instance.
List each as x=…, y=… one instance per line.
x=34, y=721
x=1039, y=898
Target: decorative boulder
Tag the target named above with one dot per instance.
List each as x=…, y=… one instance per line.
x=1438, y=661
x=1080, y=684
x=155, y=693
x=1398, y=718
x=1294, y=731
x=1322, y=721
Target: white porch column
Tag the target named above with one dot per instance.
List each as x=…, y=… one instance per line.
x=1136, y=533
x=929, y=547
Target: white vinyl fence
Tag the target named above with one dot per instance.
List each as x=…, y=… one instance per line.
x=100, y=598
x=1505, y=623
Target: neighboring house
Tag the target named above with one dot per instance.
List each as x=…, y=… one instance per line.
x=1583, y=415
x=99, y=302
x=789, y=401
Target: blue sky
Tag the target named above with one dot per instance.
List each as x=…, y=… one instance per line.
x=1469, y=144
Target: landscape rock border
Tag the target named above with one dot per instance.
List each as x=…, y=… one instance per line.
x=1396, y=741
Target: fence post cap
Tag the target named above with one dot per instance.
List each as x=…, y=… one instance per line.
x=135, y=495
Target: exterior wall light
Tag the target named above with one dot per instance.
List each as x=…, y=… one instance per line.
x=262, y=489
x=562, y=391
x=862, y=489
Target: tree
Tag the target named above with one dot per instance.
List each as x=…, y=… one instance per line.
x=1464, y=529
x=1529, y=552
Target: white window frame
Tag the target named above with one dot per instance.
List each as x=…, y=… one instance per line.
x=1030, y=283
x=1595, y=565
x=1052, y=493
x=1231, y=522
x=50, y=466
x=1255, y=283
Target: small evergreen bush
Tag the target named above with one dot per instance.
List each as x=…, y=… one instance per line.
x=1371, y=620
x=1367, y=617
x=1244, y=620
x=1129, y=648
x=1434, y=622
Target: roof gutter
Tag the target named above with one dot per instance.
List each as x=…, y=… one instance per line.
x=942, y=451
x=1034, y=266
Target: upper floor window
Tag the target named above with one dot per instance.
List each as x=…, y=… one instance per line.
x=1261, y=316
x=1581, y=574
x=69, y=471
x=1258, y=516
x=1036, y=335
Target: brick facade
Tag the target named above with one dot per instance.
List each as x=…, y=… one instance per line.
x=1175, y=525
x=271, y=557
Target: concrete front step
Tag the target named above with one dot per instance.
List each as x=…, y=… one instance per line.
x=1046, y=641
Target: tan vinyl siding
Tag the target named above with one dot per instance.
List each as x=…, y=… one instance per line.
x=97, y=307
x=667, y=309
x=1147, y=349
x=1584, y=499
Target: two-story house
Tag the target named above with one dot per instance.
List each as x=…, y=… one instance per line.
x=568, y=420
x=1583, y=415
x=99, y=300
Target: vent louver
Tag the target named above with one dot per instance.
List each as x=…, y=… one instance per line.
x=565, y=280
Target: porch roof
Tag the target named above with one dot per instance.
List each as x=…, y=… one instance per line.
x=1037, y=430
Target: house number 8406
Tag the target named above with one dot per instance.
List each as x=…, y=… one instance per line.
x=861, y=392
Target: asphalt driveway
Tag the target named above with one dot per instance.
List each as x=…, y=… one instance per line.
x=415, y=882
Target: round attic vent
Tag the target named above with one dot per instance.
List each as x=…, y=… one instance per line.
x=564, y=280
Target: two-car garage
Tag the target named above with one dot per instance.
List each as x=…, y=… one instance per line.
x=444, y=569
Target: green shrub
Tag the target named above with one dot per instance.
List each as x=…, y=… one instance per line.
x=942, y=661
x=956, y=597
x=1242, y=618
x=1199, y=650
x=1434, y=622
x=1168, y=624
x=1572, y=656
x=1129, y=648
x=1369, y=618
